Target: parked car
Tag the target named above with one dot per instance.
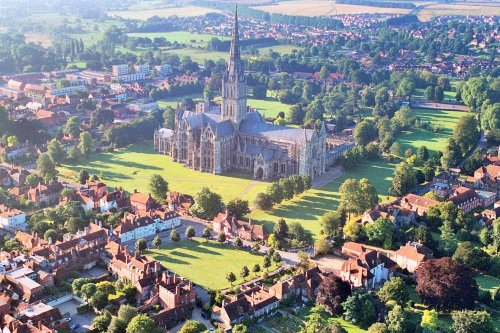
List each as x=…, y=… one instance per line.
x=67, y=319
x=74, y=326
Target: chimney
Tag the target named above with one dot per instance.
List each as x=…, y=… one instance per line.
x=87, y=231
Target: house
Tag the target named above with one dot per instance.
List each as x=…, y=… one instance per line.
x=303, y=285
x=175, y=291
x=245, y=230
x=248, y=304
x=23, y=282
x=45, y=194
x=12, y=218
x=486, y=198
x=417, y=203
x=13, y=325
x=411, y=255
x=133, y=227
x=113, y=201
x=141, y=201
x=396, y=214
x=41, y=313
x=465, y=199
x=140, y=271
x=365, y=267
x=491, y=171
x=441, y=189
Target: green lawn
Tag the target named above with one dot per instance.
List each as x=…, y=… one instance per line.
x=132, y=167
x=206, y=263
x=173, y=101
x=269, y=107
x=487, y=282
x=182, y=37
x=349, y=327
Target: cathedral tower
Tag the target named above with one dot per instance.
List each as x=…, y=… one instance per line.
x=234, y=86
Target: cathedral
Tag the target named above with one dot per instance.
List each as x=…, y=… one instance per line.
x=236, y=137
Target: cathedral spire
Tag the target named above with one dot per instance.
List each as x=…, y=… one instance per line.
x=235, y=66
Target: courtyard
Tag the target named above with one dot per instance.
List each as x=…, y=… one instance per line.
x=206, y=263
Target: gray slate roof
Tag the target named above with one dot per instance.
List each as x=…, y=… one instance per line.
x=219, y=126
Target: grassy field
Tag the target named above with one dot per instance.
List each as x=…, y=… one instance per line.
x=132, y=167
x=434, y=10
x=324, y=8
x=145, y=14
x=182, y=37
x=38, y=38
x=207, y=263
x=269, y=107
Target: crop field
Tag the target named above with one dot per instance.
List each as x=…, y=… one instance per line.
x=132, y=167
x=324, y=8
x=206, y=262
x=491, y=8
x=162, y=12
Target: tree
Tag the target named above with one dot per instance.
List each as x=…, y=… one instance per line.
x=230, y=277
x=99, y=300
x=158, y=187
x=157, y=241
x=475, y=91
x=451, y=154
x=244, y=272
x=174, y=236
x=445, y=284
x=378, y=328
x=141, y=244
x=206, y=234
x=50, y=234
x=275, y=191
x=239, y=328
x=287, y=187
x=221, y=237
x=256, y=268
x=126, y=313
x=423, y=153
x=73, y=126
x=322, y=246
x=359, y=308
x=33, y=179
x=46, y=167
x=116, y=325
x=352, y=230
x=56, y=151
x=143, y=324
x=447, y=240
x=238, y=242
x=490, y=117
x=263, y=201
x=83, y=176
x=192, y=326
x=429, y=320
x=85, y=144
x=237, y=207
x=331, y=223
x=101, y=323
x=276, y=257
x=190, y=232
x=471, y=256
x=267, y=262
x=395, y=149
x=207, y=204
x=397, y=320
x=101, y=117
x=87, y=290
x=357, y=196
x=77, y=284
x=365, y=132
x=404, y=180
x=332, y=292
x=466, y=133
x=381, y=231
x=394, y=290
x=281, y=229
x=471, y=321
x=76, y=223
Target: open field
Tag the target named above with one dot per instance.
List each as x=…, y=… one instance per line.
x=324, y=8
x=182, y=37
x=132, y=167
x=162, y=12
x=38, y=38
x=459, y=9
x=207, y=263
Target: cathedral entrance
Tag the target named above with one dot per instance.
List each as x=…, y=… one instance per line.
x=259, y=174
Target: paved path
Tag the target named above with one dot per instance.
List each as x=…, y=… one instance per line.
x=326, y=178
x=246, y=189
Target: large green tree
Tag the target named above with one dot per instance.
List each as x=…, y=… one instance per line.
x=404, y=180
x=207, y=204
x=357, y=196
x=472, y=322
x=56, y=151
x=86, y=144
x=158, y=187
x=381, y=231
x=46, y=167
x=466, y=133
x=143, y=324
x=360, y=308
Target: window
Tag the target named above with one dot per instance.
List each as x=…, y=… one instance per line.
x=283, y=168
x=275, y=167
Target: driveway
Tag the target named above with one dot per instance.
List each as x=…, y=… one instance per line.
x=197, y=317
x=84, y=320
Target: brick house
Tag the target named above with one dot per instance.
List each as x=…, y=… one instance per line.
x=411, y=255
x=465, y=199
x=141, y=201
x=417, y=203
x=303, y=284
x=245, y=230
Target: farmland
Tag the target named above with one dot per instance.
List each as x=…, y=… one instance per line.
x=434, y=10
x=181, y=37
x=206, y=263
x=162, y=12
x=324, y=8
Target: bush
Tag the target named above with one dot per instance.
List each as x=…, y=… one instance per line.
x=83, y=308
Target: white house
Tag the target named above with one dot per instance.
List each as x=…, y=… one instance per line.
x=166, y=220
x=111, y=200
x=12, y=218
